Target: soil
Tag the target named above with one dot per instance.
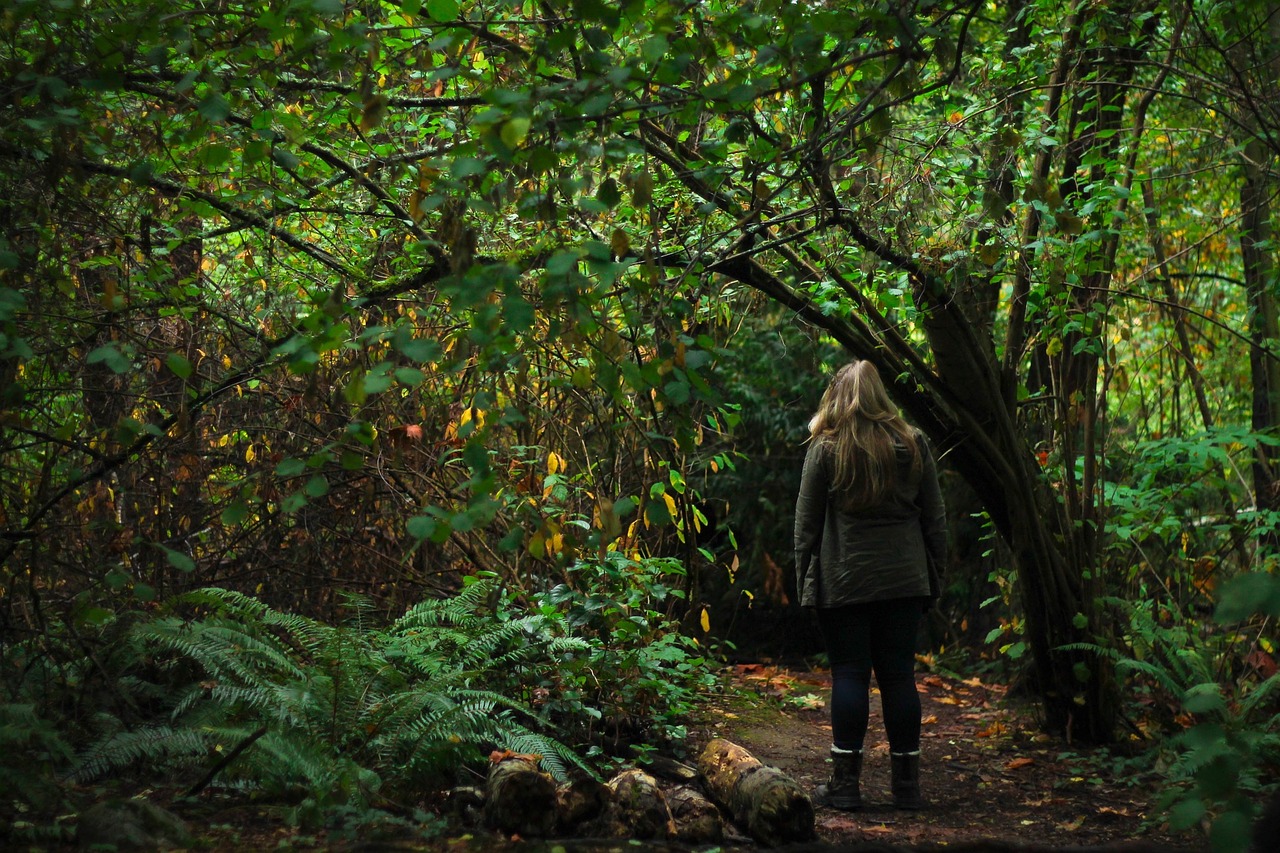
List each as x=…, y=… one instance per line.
x=986, y=772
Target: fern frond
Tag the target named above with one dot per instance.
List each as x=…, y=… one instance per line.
x=163, y=745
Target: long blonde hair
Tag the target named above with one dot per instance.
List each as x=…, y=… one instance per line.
x=866, y=433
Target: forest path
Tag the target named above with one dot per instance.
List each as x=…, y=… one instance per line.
x=987, y=772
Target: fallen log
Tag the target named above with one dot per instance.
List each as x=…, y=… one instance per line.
x=637, y=810
x=697, y=819
x=767, y=803
x=580, y=799
x=520, y=799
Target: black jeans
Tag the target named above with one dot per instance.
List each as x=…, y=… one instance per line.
x=878, y=636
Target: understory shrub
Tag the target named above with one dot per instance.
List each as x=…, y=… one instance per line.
x=1210, y=701
x=343, y=720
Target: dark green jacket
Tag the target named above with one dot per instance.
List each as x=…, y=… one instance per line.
x=873, y=554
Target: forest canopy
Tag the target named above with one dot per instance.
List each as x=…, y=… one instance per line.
x=507, y=318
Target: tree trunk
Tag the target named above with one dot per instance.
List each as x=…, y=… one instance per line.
x=1264, y=330
x=764, y=801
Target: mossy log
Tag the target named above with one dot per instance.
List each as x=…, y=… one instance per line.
x=519, y=798
x=637, y=809
x=765, y=802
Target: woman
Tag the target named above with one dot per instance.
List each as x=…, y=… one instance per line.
x=870, y=536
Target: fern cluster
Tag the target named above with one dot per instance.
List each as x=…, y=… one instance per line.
x=1219, y=752
x=333, y=715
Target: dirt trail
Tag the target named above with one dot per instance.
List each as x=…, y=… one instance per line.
x=987, y=772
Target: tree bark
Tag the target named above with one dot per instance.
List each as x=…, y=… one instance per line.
x=1264, y=330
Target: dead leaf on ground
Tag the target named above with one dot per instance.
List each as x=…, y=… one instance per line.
x=1072, y=825
x=879, y=830
x=1115, y=811
x=1019, y=763
x=929, y=720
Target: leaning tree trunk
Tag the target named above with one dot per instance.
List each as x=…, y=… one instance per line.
x=1079, y=696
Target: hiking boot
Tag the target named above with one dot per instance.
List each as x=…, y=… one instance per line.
x=841, y=792
x=904, y=770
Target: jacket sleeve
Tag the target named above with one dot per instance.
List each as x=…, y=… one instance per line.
x=933, y=519
x=811, y=512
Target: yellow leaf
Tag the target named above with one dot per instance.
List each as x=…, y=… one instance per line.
x=619, y=243
x=554, y=463
x=374, y=111
x=706, y=621
x=249, y=454
x=670, y=502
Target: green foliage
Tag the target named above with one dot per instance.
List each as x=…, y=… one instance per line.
x=32, y=750
x=1218, y=730
x=640, y=676
x=340, y=719
x=331, y=716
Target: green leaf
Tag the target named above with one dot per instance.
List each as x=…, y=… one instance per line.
x=177, y=559
x=421, y=350
x=515, y=131
x=214, y=156
x=1231, y=832
x=179, y=365
x=1203, y=699
x=656, y=513
x=317, y=486
x=112, y=357
x=609, y=195
x=562, y=262
x=376, y=383
x=234, y=513
x=410, y=376
x=1186, y=813
x=442, y=10
x=214, y=107
x=284, y=158
x=1249, y=594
